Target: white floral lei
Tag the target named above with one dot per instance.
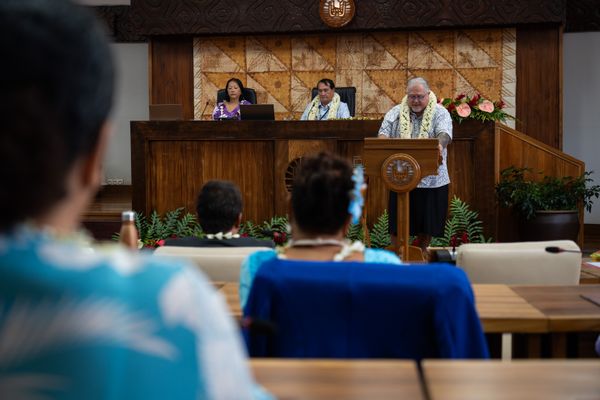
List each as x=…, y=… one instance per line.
x=333, y=107
x=405, y=125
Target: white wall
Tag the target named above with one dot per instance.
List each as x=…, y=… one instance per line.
x=131, y=103
x=581, y=104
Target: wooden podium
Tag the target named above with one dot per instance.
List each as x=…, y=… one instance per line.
x=401, y=163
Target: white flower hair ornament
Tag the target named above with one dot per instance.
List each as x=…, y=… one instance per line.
x=356, y=196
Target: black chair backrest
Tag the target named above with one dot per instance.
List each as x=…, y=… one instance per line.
x=347, y=95
x=248, y=95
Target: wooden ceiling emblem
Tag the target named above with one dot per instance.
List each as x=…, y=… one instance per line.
x=336, y=13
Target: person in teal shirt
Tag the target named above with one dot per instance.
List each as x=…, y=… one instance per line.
x=78, y=322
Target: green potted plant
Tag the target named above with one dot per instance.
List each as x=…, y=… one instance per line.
x=548, y=206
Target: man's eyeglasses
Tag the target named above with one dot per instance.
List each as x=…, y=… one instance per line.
x=419, y=97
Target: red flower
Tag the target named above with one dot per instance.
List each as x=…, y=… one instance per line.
x=464, y=238
x=499, y=104
x=173, y=236
x=460, y=97
x=244, y=235
x=160, y=242
x=453, y=241
x=451, y=107
x=279, y=237
x=416, y=242
x=474, y=99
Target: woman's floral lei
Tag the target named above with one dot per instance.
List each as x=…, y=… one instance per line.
x=464, y=107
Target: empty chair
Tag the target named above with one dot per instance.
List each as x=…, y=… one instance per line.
x=363, y=310
x=347, y=95
x=521, y=263
x=218, y=263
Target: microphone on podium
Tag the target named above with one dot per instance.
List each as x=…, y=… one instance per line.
x=556, y=250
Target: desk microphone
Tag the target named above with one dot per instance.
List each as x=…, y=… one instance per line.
x=204, y=109
x=555, y=250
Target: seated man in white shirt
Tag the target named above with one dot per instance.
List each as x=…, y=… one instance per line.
x=326, y=105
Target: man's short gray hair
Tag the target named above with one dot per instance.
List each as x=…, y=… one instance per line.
x=417, y=81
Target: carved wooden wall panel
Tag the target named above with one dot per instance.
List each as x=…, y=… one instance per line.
x=171, y=75
x=583, y=15
x=134, y=24
x=539, y=84
x=174, y=17
x=121, y=23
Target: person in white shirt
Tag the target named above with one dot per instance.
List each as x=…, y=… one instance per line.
x=420, y=116
x=326, y=104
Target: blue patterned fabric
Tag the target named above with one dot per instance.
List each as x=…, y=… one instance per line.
x=79, y=323
x=252, y=263
x=359, y=310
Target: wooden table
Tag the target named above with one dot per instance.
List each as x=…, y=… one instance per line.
x=589, y=274
x=532, y=310
x=526, y=379
x=338, y=379
x=502, y=310
x=564, y=307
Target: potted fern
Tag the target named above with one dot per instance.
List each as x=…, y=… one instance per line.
x=547, y=207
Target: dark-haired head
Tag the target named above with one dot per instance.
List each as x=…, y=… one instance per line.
x=56, y=89
x=219, y=206
x=327, y=82
x=321, y=194
x=240, y=85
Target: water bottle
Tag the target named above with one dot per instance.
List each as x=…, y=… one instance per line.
x=129, y=234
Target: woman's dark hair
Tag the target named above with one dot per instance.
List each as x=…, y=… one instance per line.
x=321, y=193
x=239, y=83
x=218, y=206
x=327, y=82
x=56, y=90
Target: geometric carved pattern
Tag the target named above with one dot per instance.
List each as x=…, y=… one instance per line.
x=209, y=17
x=171, y=17
x=583, y=15
x=120, y=23
x=283, y=68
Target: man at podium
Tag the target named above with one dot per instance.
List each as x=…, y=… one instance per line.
x=419, y=116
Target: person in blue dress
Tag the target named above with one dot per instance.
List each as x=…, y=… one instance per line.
x=76, y=321
x=326, y=199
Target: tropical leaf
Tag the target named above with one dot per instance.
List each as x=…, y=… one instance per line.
x=356, y=232
x=380, y=234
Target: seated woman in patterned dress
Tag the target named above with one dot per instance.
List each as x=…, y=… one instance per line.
x=230, y=107
x=326, y=198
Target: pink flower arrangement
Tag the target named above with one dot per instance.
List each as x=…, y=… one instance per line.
x=476, y=107
x=463, y=110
